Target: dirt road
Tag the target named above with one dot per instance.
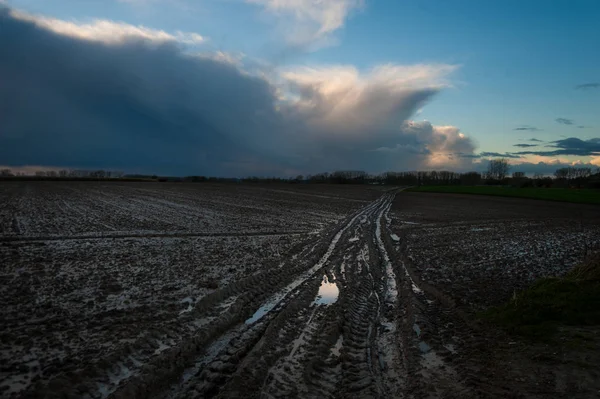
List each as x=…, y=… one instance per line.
x=341, y=318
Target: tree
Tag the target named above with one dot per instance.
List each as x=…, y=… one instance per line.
x=520, y=180
x=572, y=175
x=470, y=179
x=497, y=169
x=6, y=173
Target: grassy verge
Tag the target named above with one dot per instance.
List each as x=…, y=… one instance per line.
x=539, y=311
x=589, y=196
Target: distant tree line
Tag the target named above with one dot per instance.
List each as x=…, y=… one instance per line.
x=577, y=177
x=497, y=173
x=66, y=174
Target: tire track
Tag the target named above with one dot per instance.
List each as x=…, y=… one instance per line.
x=383, y=335
x=244, y=347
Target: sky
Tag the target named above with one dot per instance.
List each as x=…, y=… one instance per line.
x=286, y=87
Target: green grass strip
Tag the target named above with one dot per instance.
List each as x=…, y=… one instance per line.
x=588, y=196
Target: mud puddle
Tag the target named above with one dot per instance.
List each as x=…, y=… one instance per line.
x=328, y=293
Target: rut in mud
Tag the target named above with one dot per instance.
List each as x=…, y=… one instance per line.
x=345, y=317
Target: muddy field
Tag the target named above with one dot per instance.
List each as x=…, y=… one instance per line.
x=478, y=250
x=197, y=290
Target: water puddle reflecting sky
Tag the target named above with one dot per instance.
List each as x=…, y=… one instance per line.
x=328, y=292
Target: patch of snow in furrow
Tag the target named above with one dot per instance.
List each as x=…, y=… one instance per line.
x=161, y=347
x=189, y=301
x=123, y=374
x=300, y=340
x=431, y=359
x=120, y=302
x=406, y=222
x=135, y=362
x=202, y=322
x=103, y=389
x=414, y=287
x=336, y=350
x=278, y=297
x=114, y=379
x=395, y=237
x=353, y=239
x=417, y=329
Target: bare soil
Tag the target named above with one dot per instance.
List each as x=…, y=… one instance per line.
x=198, y=290
x=473, y=252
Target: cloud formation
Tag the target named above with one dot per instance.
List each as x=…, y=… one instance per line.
x=497, y=155
x=525, y=145
x=565, y=121
x=109, y=32
x=586, y=86
x=527, y=128
x=444, y=145
x=342, y=101
x=309, y=21
x=147, y=104
x=569, y=146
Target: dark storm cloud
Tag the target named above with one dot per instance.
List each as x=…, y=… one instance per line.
x=143, y=105
x=135, y=105
x=497, y=154
x=565, y=121
x=586, y=86
x=527, y=128
x=569, y=146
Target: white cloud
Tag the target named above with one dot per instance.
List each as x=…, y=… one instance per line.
x=441, y=145
x=235, y=59
x=309, y=21
x=108, y=32
x=341, y=99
